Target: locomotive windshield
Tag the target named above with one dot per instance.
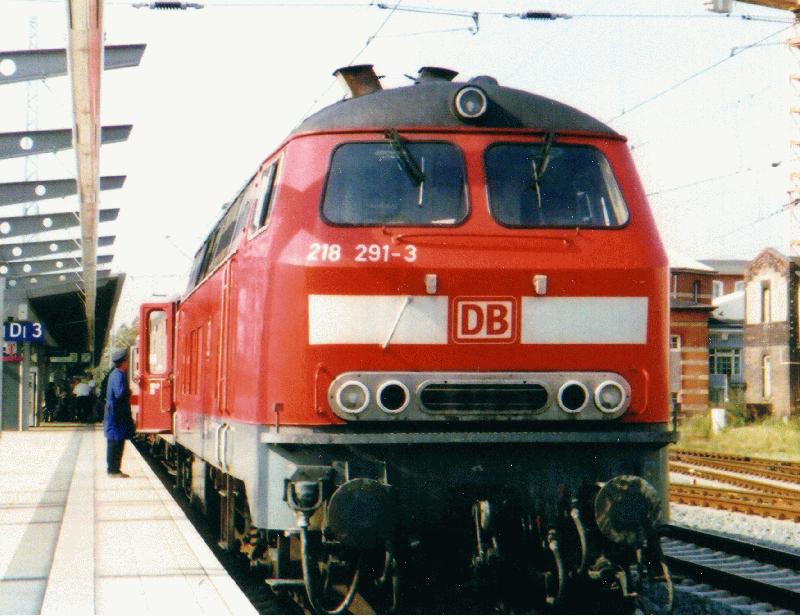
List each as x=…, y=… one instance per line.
x=396, y=184
x=538, y=185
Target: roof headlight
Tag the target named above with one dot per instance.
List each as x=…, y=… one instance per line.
x=471, y=103
x=352, y=397
x=609, y=397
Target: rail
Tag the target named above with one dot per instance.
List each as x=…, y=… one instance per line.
x=764, y=505
x=739, y=566
x=740, y=482
x=779, y=470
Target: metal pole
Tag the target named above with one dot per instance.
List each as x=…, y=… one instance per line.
x=24, y=391
x=2, y=363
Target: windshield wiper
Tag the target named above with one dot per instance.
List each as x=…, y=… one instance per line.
x=414, y=172
x=538, y=170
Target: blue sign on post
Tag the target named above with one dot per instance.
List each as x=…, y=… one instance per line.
x=23, y=331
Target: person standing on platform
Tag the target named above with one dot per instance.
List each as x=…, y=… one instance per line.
x=82, y=400
x=50, y=402
x=118, y=422
x=101, y=397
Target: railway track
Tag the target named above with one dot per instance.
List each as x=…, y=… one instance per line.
x=775, y=498
x=777, y=470
x=740, y=567
x=779, y=507
x=751, y=485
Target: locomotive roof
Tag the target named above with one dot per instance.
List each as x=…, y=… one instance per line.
x=430, y=104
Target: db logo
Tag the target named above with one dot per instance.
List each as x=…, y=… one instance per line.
x=484, y=319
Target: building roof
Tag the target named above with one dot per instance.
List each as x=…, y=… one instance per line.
x=683, y=304
x=678, y=261
x=430, y=103
x=729, y=307
x=61, y=310
x=728, y=267
x=771, y=256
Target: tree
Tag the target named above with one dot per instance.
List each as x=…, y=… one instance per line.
x=123, y=338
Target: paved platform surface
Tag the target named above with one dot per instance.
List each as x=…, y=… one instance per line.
x=75, y=541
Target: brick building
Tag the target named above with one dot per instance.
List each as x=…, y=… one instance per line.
x=729, y=276
x=726, y=349
x=771, y=354
x=691, y=291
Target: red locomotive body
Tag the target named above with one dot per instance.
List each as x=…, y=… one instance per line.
x=432, y=309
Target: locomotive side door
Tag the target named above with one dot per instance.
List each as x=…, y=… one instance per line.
x=156, y=370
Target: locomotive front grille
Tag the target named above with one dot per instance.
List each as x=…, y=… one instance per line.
x=484, y=397
x=473, y=396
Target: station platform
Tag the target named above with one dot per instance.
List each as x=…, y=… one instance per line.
x=75, y=541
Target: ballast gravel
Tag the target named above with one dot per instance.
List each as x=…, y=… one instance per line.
x=780, y=534
x=694, y=598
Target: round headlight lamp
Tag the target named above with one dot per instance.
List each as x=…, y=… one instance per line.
x=393, y=397
x=352, y=397
x=471, y=103
x=609, y=397
x=572, y=397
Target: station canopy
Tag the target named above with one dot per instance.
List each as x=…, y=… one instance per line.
x=52, y=261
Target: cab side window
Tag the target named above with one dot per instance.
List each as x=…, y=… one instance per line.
x=251, y=195
x=224, y=233
x=200, y=263
x=264, y=205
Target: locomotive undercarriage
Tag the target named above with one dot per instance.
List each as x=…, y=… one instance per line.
x=508, y=526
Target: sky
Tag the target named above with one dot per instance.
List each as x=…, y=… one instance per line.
x=703, y=99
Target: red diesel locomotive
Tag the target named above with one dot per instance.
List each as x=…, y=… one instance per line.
x=427, y=338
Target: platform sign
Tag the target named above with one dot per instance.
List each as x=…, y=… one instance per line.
x=64, y=359
x=11, y=352
x=23, y=331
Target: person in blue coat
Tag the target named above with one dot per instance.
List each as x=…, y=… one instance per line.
x=118, y=421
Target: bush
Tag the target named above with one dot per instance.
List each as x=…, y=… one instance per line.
x=738, y=414
x=693, y=428
x=768, y=438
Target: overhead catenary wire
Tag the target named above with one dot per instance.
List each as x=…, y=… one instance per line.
x=256, y=4
x=702, y=71
x=353, y=59
x=690, y=126
x=715, y=178
x=427, y=32
x=785, y=207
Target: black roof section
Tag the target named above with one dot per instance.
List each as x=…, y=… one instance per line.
x=431, y=104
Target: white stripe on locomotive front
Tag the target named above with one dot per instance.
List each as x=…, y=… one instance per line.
x=584, y=320
x=368, y=319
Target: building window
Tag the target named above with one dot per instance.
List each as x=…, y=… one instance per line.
x=738, y=285
x=675, y=342
x=725, y=361
x=766, y=304
x=674, y=285
x=717, y=288
x=696, y=291
x=766, y=377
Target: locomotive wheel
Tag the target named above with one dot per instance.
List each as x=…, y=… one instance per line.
x=185, y=473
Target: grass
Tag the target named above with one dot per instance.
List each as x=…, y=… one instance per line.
x=768, y=438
